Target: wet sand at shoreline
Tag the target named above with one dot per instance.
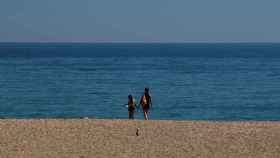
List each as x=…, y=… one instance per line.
x=84, y=138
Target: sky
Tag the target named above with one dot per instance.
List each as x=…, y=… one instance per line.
x=139, y=21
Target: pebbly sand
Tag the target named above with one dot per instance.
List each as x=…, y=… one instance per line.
x=85, y=138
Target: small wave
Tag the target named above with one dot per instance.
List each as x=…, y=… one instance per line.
x=98, y=93
x=273, y=75
x=87, y=69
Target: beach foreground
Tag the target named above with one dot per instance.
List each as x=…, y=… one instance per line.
x=83, y=138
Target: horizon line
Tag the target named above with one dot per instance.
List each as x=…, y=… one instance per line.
x=114, y=42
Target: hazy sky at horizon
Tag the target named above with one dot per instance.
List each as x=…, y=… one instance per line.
x=139, y=21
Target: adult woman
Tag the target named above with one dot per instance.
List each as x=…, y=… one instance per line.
x=146, y=102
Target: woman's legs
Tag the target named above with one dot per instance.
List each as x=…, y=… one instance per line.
x=146, y=112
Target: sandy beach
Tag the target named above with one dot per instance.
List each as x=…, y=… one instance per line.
x=83, y=138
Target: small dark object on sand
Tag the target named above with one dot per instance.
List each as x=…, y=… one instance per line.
x=83, y=117
x=137, y=132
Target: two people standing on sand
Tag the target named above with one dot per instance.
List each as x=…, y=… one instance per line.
x=145, y=102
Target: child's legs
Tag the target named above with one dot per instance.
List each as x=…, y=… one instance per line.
x=131, y=115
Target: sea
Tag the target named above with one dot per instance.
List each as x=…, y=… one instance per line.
x=187, y=81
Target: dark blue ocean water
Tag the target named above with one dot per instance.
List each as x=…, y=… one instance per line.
x=187, y=81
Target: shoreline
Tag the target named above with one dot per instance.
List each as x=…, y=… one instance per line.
x=82, y=138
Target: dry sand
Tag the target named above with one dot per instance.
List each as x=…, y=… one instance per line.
x=84, y=138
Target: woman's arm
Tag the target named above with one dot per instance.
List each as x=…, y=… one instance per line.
x=151, y=101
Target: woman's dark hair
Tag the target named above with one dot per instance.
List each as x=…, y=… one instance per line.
x=146, y=89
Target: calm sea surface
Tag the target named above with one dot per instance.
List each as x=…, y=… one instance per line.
x=187, y=81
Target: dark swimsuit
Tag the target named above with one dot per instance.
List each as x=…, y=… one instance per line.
x=131, y=108
x=147, y=106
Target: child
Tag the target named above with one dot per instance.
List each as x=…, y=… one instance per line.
x=131, y=107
